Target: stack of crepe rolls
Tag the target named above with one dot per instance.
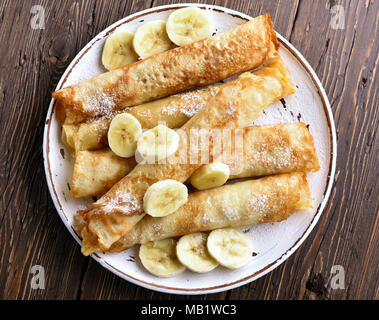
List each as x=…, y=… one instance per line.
x=176, y=110
x=117, y=220
x=272, y=82
x=121, y=207
x=269, y=150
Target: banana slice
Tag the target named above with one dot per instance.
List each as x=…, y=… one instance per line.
x=230, y=247
x=151, y=38
x=123, y=133
x=210, y=176
x=118, y=50
x=157, y=143
x=164, y=197
x=159, y=258
x=193, y=253
x=188, y=25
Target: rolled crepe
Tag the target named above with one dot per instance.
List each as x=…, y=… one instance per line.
x=266, y=150
x=121, y=207
x=201, y=63
x=173, y=111
x=269, y=199
x=275, y=149
x=95, y=172
x=69, y=133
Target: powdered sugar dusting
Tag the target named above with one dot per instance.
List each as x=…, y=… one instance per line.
x=281, y=158
x=193, y=105
x=122, y=201
x=96, y=102
x=188, y=104
x=284, y=157
x=230, y=212
x=258, y=204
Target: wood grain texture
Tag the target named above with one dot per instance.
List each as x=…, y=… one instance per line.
x=31, y=232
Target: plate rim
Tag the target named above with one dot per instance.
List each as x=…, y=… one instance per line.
x=254, y=276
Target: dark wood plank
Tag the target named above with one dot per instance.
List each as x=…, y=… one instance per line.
x=347, y=66
x=30, y=230
x=282, y=12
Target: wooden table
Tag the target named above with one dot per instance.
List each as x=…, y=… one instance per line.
x=344, y=55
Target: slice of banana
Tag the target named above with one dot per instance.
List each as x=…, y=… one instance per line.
x=123, y=133
x=151, y=38
x=230, y=247
x=210, y=176
x=164, y=197
x=188, y=25
x=157, y=143
x=159, y=258
x=118, y=50
x=193, y=253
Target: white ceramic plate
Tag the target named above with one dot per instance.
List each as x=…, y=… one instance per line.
x=273, y=243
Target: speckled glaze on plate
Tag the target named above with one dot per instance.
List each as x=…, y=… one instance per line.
x=274, y=242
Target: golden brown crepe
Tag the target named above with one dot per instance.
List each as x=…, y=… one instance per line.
x=95, y=172
x=203, y=62
x=273, y=149
x=69, y=133
x=174, y=111
x=266, y=150
x=121, y=207
x=269, y=199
